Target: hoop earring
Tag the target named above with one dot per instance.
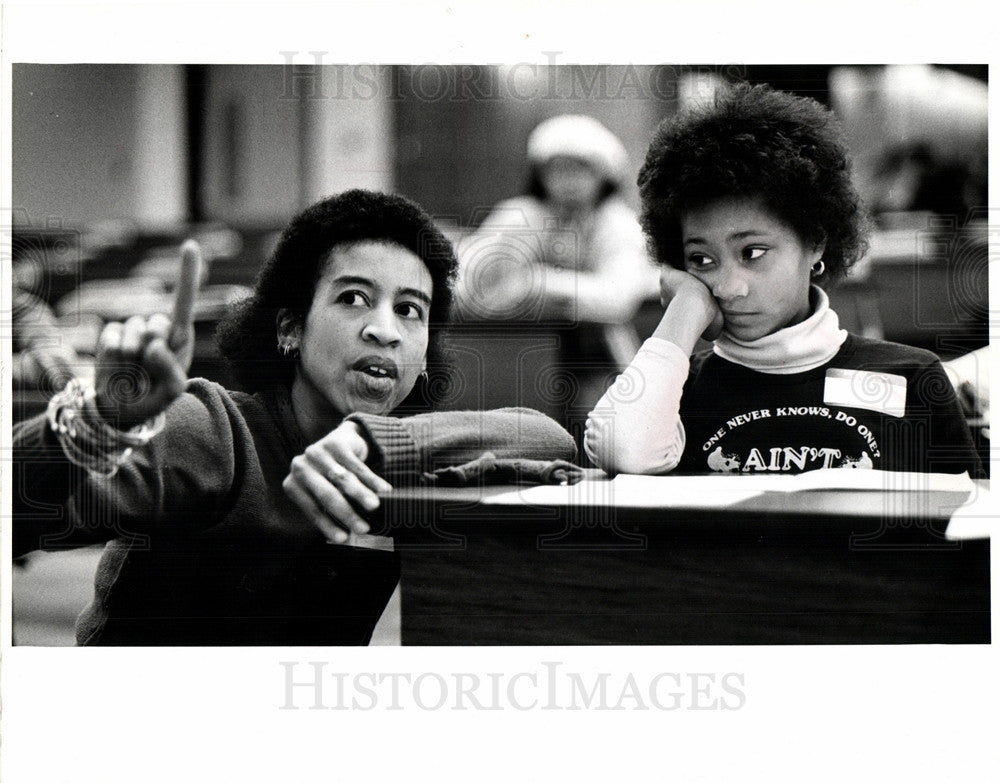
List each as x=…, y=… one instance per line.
x=818, y=268
x=425, y=375
x=287, y=349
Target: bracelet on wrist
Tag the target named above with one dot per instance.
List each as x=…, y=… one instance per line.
x=87, y=439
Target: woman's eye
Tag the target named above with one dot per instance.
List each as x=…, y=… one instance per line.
x=410, y=310
x=697, y=261
x=753, y=253
x=353, y=298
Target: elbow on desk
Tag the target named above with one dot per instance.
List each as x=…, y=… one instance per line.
x=614, y=457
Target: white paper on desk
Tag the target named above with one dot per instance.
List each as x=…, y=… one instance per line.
x=881, y=481
x=845, y=478
x=975, y=519
x=725, y=489
x=635, y=492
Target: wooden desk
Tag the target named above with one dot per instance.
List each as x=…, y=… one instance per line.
x=830, y=567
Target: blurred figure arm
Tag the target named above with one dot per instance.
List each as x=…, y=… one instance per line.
x=621, y=279
x=47, y=359
x=521, y=262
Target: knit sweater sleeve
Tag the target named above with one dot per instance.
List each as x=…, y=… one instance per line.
x=430, y=441
x=183, y=477
x=636, y=425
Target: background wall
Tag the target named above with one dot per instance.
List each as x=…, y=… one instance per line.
x=93, y=142
x=252, y=144
x=162, y=146
x=462, y=134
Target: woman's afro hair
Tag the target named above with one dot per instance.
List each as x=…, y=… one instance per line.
x=754, y=142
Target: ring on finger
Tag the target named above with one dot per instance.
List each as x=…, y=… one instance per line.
x=336, y=471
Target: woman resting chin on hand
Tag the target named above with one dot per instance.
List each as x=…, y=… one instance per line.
x=751, y=210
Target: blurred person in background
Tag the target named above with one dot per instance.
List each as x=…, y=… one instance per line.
x=220, y=507
x=568, y=256
x=569, y=249
x=47, y=350
x=44, y=357
x=914, y=178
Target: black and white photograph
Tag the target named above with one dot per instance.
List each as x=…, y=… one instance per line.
x=351, y=387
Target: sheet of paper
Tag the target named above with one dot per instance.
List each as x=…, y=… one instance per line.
x=724, y=490
x=636, y=492
x=976, y=518
x=882, y=480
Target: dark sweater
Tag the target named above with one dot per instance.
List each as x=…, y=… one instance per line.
x=204, y=546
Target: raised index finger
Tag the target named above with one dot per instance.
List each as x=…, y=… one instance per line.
x=186, y=293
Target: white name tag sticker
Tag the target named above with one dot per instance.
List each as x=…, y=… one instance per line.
x=874, y=391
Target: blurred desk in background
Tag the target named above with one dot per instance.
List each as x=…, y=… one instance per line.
x=92, y=275
x=523, y=364
x=28, y=401
x=927, y=287
x=686, y=560
x=561, y=370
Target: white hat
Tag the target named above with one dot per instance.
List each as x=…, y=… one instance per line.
x=579, y=136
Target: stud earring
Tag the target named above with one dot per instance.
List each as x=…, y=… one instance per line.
x=818, y=268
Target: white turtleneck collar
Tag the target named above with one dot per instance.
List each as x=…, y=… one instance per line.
x=799, y=348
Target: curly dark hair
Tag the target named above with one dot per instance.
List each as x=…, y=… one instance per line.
x=756, y=142
x=247, y=337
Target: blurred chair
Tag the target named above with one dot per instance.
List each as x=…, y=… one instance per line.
x=970, y=375
x=855, y=300
x=147, y=288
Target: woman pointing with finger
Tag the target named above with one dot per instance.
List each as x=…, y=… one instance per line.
x=219, y=517
x=145, y=361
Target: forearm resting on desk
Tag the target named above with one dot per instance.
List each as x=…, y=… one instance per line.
x=425, y=442
x=636, y=426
